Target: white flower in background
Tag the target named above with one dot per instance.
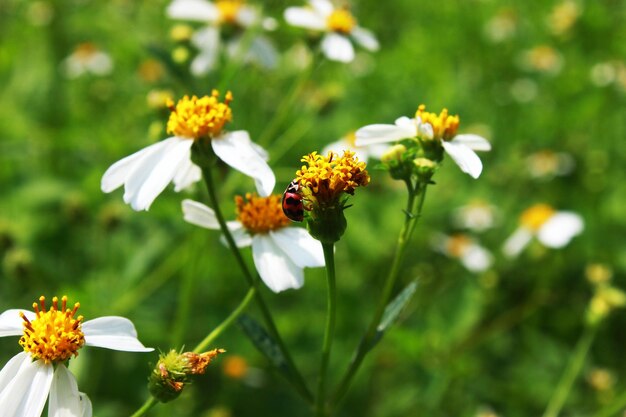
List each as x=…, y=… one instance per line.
x=146, y=173
x=430, y=129
x=338, y=25
x=50, y=338
x=86, y=58
x=502, y=26
x=363, y=153
x=473, y=256
x=280, y=252
x=552, y=228
x=478, y=216
x=548, y=164
x=237, y=16
x=542, y=58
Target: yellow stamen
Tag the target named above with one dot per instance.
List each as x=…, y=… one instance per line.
x=341, y=20
x=85, y=51
x=228, y=10
x=534, y=217
x=326, y=178
x=457, y=245
x=444, y=125
x=198, y=362
x=54, y=335
x=260, y=214
x=195, y=117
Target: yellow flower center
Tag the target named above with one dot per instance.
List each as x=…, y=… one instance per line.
x=260, y=214
x=54, y=335
x=327, y=177
x=235, y=367
x=228, y=10
x=444, y=125
x=341, y=20
x=85, y=51
x=457, y=245
x=195, y=117
x=534, y=217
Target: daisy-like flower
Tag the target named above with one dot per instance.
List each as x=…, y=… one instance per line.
x=473, y=256
x=146, y=173
x=234, y=15
x=280, y=252
x=338, y=25
x=363, y=153
x=477, y=215
x=50, y=338
x=435, y=133
x=552, y=228
x=547, y=164
x=87, y=58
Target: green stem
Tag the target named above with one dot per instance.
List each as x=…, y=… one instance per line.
x=202, y=346
x=329, y=257
x=571, y=372
x=298, y=380
x=413, y=213
x=151, y=402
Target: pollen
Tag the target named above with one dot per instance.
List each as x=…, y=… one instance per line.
x=325, y=178
x=54, y=335
x=341, y=20
x=444, y=125
x=260, y=214
x=534, y=217
x=229, y=9
x=195, y=118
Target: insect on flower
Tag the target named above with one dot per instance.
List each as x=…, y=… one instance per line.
x=292, y=202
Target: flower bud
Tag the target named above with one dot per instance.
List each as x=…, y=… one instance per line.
x=393, y=153
x=424, y=168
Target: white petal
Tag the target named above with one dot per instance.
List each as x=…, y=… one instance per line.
x=199, y=214
x=11, y=368
x=337, y=48
x=262, y=52
x=476, y=258
x=26, y=394
x=198, y=10
x=240, y=235
x=322, y=7
x=277, y=271
x=474, y=142
x=207, y=40
x=188, y=173
x=11, y=322
x=65, y=400
x=113, y=332
x=247, y=16
x=235, y=149
x=87, y=409
x=298, y=244
x=365, y=38
x=118, y=173
x=381, y=133
x=305, y=18
x=152, y=176
x=559, y=229
x=464, y=157
x=517, y=242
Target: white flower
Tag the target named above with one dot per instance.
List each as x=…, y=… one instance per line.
x=86, y=58
x=39, y=373
x=225, y=12
x=477, y=215
x=552, y=228
x=430, y=127
x=473, y=256
x=146, y=173
x=338, y=25
x=363, y=153
x=280, y=253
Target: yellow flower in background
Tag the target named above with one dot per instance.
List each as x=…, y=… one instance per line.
x=473, y=256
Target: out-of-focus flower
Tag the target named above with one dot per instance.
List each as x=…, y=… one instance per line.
x=280, y=253
x=151, y=70
x=473, y=256
x=563, y=17
x=605, y=299
x=598, y=273
x=174, y=370
x=486, y=412
x=476, y=215
x=610, y=72
x=234, y=15
x=502, y=26
x=338, y=26
x=146, y=173
x=552, y=228
x=601, y=379
x=87, y=59
x=159, y=99
x=542, y=58
x=436, y=132
x=363, y=153
x=547, y=164
x=39, y=13
x=524, y=90
x=237, y=367
x=50, y=338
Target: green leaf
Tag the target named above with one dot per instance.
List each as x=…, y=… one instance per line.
x=392, y=311
x=264, y=343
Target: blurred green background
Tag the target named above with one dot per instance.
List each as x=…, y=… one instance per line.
x=535, y=78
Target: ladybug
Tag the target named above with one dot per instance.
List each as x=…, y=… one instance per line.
x=292, y=202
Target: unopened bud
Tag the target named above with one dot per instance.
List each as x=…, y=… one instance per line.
x=425, y=168
x=181, y=33
x=180, y=55
x=394, y=153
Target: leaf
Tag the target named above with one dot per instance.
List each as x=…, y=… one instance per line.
x=392, y=311
x=264, y=343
